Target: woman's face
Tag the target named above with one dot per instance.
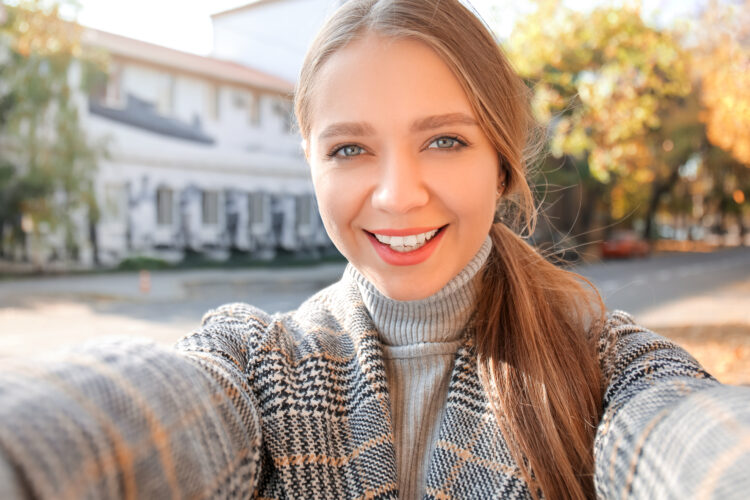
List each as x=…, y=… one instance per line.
x=396, y=153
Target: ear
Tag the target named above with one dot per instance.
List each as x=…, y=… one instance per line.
x=305, y=149
x=501, y=185
x=502, y=175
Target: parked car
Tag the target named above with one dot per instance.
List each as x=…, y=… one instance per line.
x=624, y=245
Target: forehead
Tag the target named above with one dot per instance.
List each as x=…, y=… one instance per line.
x=383, y=80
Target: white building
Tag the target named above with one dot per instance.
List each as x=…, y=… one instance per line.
x=271, y=35
x=202, y=155
x=203, y=158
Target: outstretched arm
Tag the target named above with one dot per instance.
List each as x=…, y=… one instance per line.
x=669, y=430
x=130, y=419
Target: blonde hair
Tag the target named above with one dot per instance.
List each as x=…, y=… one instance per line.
x=533, y=330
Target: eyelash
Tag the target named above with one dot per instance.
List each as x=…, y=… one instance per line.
x=461, y=143
x=335, y=151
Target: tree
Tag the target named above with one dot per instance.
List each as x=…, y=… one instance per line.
x=605, y=83
x=723, y=63
x=47, y=165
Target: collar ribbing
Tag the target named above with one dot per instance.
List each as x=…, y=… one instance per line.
x=440, y=317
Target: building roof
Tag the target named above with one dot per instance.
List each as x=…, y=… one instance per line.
x=207, y=67
x=249, y=5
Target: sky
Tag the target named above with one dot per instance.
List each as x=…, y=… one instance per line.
x=186, y=24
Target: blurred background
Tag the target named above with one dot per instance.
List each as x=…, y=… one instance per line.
x=150, y=168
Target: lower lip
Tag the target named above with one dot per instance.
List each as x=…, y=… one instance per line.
x=417, y=256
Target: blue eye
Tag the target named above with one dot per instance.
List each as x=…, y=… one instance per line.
x=446, y=143
x=347, y=151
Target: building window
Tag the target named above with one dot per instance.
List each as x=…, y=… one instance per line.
x=106, y=89
x=283, y=109
x=304, y=211
x=213, y=106
x=165, y=100
x=250, y=103
x=238, y=100
x=210, y=203
x=257, y=208
x=254, y=110
x=164, y=206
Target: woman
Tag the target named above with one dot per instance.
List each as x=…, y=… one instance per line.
x=451, y=360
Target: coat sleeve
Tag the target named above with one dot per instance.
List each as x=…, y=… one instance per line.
x=130, y=419
x=669, y=430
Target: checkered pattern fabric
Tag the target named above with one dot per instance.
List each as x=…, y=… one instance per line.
x=296, y=405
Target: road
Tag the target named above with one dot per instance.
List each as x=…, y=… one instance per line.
x=640, y=285
x=45, y=314
x=42, y=314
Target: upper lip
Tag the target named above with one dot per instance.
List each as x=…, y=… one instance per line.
x=404, y=232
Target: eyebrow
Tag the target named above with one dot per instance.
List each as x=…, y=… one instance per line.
x=437, y=121
x=427, y=123
x=347, y=128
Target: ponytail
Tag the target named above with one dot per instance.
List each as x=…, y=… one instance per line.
x=537, y=361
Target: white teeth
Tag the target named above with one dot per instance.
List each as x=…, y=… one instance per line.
x=406, y=243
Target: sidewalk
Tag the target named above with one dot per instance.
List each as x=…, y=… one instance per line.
x=714, y=327
x=39, y=315
x=167, y=285
x=44, y=314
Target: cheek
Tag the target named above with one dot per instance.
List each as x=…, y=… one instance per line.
x=471, y=192
x=338, y=202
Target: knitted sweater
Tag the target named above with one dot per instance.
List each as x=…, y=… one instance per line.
x=296, y=405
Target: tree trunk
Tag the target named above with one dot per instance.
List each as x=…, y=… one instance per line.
x=743, y=229
x=658, y=191
x=591, y=193
x=94, y=241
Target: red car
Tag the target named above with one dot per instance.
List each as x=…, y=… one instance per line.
x=624, y=245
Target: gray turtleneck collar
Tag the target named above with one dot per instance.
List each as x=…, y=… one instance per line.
x=437, y=318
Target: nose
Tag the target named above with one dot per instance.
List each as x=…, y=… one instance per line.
x=401, y=185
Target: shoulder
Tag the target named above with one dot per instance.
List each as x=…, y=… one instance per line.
x=668, y=429
x=231, y=327
x=627, y=349
x=242, y=330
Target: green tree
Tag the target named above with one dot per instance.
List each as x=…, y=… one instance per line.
x=47, y=164
x=605, y=83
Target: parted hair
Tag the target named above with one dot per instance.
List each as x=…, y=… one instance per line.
x=536, y=325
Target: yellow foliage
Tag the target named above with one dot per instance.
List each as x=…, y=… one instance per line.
x=723, y=67
x=38, y=29
x=726, y=95
x=601, y=80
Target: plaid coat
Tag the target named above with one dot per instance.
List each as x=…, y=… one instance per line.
x=296, y=405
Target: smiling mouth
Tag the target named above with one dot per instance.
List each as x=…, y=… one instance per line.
x=408, y=243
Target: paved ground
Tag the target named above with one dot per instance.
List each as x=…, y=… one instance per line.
x=45, y=314
x=640, y=285
x=700, y=300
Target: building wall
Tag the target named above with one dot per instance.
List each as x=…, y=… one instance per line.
x=224, y=173
x=194, y=163
x=271, y=36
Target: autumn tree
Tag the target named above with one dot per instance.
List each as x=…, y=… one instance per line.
x=46, y=162
x=722, y=46
x=605, y=83
x=720, y=41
